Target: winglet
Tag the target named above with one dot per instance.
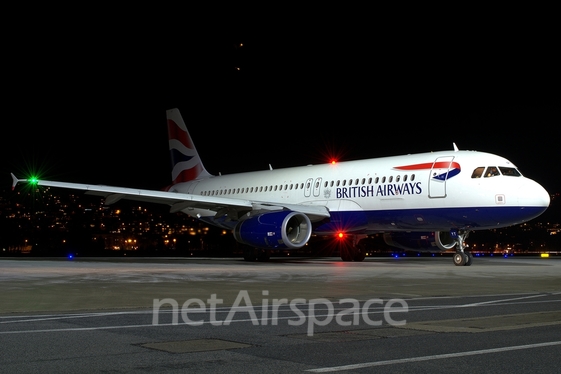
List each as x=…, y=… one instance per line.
x=455, y=147
x=14, y=181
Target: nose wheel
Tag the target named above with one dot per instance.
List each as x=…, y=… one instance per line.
x=461, y=257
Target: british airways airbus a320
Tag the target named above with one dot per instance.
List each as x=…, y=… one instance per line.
x=421, y=202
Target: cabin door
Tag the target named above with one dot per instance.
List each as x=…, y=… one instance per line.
x=317, y=186
x=308, y=187
x=439, y=176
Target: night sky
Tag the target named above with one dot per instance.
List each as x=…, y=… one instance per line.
x=94, y=111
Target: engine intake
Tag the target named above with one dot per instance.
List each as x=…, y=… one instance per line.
x=421, y=241
x=284, y=229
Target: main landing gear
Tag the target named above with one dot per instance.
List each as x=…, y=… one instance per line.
x=352, y=249
x=461, y=257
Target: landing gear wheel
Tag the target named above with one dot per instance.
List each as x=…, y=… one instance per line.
x=469, y=258
x=359, y=256
x=346, y=255
x=459, y=259
x=360, y=249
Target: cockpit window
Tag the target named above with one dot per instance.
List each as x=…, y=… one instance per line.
x=509, y=172
x=492, y=171
x=478, y=172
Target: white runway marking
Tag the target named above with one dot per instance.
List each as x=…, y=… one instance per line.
x=433, y=357
x=503, y=300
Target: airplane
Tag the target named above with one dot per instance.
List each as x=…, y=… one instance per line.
x=425, y=202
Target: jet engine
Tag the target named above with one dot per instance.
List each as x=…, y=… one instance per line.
x=283, y=230
x=436, y=241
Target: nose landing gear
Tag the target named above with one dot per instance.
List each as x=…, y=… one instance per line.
x=461, y=257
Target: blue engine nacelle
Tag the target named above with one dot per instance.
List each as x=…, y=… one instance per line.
x=284, y=229
x=421, y=241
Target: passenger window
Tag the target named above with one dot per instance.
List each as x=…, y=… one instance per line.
x=478, y=172
x=397, y=178
x=412, y=177
x=405, y=178
x=370, y=180
x=377, y=180
x=391, y=179
x=492, y=171
x=383, y=179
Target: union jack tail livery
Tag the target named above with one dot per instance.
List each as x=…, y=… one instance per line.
x=185, y=161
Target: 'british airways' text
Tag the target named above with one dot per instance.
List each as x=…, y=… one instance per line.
x=381, y=190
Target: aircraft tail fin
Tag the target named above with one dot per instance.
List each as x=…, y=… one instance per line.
x=185, y=161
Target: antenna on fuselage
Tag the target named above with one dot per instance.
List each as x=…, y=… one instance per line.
x=455, y=147
x=270, y=167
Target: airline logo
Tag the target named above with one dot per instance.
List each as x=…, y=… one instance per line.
x=443, y=170
x=186, y=164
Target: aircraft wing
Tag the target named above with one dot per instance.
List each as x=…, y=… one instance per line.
x=179, y=201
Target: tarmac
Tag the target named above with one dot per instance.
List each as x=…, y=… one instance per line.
x=99, y=315
x=61, y=284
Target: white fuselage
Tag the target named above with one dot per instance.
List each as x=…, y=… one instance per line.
x=428, y=191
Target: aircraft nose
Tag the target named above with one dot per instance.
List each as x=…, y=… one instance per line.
x=542, y=196
x=533, y=197
x=538, y=197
